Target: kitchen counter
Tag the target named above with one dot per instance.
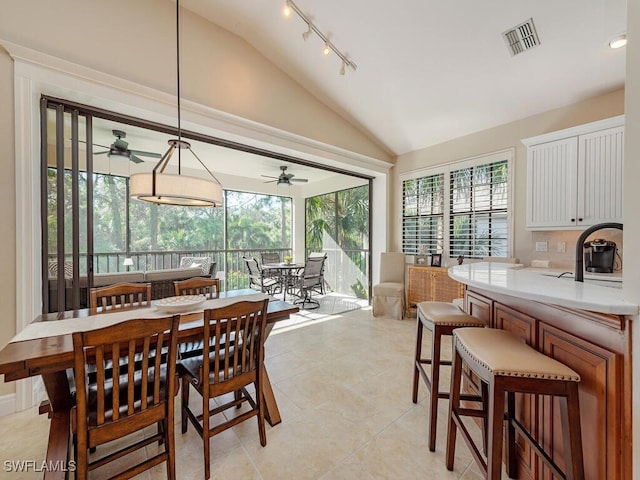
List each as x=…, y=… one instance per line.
x=530, y=285
x=586, y=327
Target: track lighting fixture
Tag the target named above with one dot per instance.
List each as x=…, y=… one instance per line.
x=328, y=46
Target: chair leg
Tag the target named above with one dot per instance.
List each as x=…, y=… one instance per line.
x=511, y=436
x=496, y=419
x=454, y=404
x=184, y=403
x=572, y=435
x=170, y=448
x=206, y=433
x=416, y=371
x=261, y=406
x=435, y=386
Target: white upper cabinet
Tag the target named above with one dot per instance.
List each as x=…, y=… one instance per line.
x=574, y=176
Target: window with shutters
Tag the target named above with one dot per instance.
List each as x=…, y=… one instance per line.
x=462, y=208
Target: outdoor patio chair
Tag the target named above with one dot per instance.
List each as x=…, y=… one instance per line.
x=267, y=258
x=308, y=281
x=257, y=279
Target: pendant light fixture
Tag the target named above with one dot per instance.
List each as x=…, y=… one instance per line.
x=170, y=188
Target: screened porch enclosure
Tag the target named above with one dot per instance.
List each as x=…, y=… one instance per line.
x=90, y=224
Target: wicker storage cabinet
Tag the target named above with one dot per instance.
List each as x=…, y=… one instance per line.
x=431, y=284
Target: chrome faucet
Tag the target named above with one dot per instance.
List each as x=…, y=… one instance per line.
x=579, y=270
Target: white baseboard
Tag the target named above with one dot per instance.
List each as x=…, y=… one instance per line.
x=7, y=404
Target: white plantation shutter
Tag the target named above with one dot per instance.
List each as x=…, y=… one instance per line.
x=462, y=208
x=423, y=215
x=478, y=220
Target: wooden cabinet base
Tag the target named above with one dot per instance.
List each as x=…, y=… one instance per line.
x=431, y=284
x=598, y=347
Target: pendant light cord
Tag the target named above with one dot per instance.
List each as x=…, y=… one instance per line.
x=178, y=81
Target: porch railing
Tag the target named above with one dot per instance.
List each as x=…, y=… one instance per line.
x=346, y=271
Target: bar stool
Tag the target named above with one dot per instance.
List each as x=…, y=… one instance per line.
x=508, y=365
x=441, y=318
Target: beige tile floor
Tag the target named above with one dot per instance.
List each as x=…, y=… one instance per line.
x=343, y=385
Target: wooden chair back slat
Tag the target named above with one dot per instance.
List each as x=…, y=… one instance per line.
x=121, y=296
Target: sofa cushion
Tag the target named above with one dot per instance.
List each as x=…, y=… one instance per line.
x=204, y=263
x=103, y=279
x=171, y=274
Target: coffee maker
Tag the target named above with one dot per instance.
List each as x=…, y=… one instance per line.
x=599, y=255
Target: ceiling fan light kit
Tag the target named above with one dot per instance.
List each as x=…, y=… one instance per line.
x=328, y=47
x=171, y=188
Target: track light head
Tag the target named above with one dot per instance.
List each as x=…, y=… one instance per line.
x=326, y=50
x=286, y=10
x=342, y=68
x=306, y=34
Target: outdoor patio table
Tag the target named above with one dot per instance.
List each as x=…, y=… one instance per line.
x=41, y=351
x=287, y=273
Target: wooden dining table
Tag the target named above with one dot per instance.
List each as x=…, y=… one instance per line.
x=51, y=355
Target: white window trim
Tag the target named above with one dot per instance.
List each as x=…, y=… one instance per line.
x=447, y=168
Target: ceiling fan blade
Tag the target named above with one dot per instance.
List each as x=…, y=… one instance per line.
x=301, y=180
x=269, y=176
x=135, y=159
x=270, y=181
x=145, y=154
x=101, y=153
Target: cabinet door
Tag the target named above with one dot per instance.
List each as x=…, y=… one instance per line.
x=419, y=287
x=600, y=176
x=443, y=287
x=552, y=183
x=600, y=395
x=480, y=307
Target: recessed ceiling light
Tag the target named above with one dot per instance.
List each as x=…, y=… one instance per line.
x=619, y=41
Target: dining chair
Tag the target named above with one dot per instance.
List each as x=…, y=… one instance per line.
x=209, y=287
x=119, y=297
x=257, y=279
x=389, y=294
x=308, y=281
x=141, y=395
x=233, y=353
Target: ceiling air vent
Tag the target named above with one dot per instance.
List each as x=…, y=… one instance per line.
x=521, y=37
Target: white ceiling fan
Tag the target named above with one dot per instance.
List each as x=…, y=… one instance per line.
x=284, y=178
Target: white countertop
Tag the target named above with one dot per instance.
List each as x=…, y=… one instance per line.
x=502, y=278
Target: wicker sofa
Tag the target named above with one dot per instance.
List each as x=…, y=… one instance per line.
x=161, y=280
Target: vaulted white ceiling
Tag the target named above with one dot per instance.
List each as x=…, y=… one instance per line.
x=432, y=70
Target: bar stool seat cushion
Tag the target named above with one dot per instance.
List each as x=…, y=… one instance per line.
x=444, y=313
x=504, y=354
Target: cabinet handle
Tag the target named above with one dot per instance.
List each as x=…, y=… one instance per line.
x=579, y=219
x=573, y=219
